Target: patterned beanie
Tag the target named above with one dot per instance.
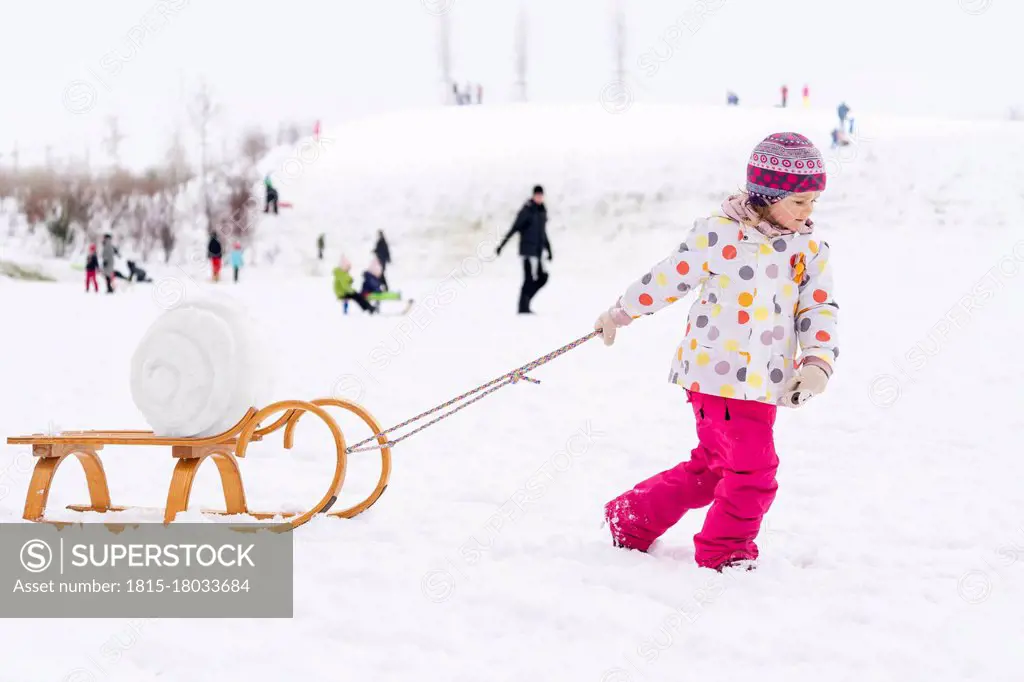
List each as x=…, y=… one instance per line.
x=784, y=164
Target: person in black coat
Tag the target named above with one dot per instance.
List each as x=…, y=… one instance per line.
x=531, y=224
x=215, y=252
x=383, y=254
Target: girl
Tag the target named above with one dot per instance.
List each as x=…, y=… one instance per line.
x=236, y=258
x=765, y=287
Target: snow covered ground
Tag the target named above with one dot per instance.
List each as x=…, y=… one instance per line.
x=894, y=550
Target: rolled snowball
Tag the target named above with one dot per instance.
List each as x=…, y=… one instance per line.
x=199, y=368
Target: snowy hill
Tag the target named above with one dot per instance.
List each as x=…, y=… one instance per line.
x=891, y=553
x=439, y=180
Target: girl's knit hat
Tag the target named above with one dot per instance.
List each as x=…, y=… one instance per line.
x=784, y=164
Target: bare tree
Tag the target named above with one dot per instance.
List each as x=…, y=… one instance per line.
x=522, y=43
x=175, y=175
x=112, y=142
x=254, y=145
x=204, y=111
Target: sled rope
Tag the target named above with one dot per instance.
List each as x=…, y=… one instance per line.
x=513, y=377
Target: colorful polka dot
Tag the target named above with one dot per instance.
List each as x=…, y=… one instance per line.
x=695, y=387
x=727, y=391
x=702, y=321
x=779, y=333
x=760, y=313
x=787, y=290
x=704, y=267
x=713, y=298
x=722, y=367
x=686, y=367
x=732, y=345
x=671, y=299
x=682, y=267
x=679, y=354
x=683, y=248
x=772, y=271
x=776, y=376
x=703, y=359
x=767, y=338
x=716, y=310
x=712, y=238
x=693, y=344
x=746, y=272
x=701, y=241
x=779, y=245
x=813, y=246
x=645, y=299
x=755, y=380
x=746, y=299
x=713, y=333
x=724, y=281
x=646, y=279
x=823, y=336
x=820, y=296
x=805, y=324
x=743, y=317
x=683, y=287
x=835, y=351
x=661, y=279
x=766, y=250
x=741, y=375
x=729, y=252
x=745, y=356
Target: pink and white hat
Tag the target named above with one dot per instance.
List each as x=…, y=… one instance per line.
x=784, y=164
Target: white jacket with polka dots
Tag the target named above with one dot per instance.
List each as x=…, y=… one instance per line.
x=759, y=299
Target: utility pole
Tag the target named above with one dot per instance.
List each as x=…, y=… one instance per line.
x=521, y=54
x=444, y=55
x=620, y=41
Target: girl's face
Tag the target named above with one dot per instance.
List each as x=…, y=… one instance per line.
x=793, y=211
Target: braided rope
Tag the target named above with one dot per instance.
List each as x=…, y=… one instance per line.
x=513, y=377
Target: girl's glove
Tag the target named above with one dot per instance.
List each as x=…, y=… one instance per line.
x=809, y=381
x=609, y=321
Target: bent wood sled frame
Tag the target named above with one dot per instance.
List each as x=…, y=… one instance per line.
x=225, y=449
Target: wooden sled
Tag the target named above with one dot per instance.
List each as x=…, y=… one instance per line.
x=226, y=449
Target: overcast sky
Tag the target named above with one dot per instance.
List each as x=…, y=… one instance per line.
x=68, y=65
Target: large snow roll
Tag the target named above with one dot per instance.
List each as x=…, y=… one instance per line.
x=198, y=368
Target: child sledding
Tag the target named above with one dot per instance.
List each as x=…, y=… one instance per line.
x=374, y=288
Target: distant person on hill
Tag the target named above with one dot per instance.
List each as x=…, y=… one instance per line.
x=531, y=224
x=236, y=259
x=214, y=251
x=842, y=110
x=785, y=95
x=320, y=246
x=732, y=99
x=108, y=253
x=271, y=195
x=137, y=274
x=383, y=253
x=92, y=264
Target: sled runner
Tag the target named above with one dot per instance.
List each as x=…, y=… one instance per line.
x=226, y=449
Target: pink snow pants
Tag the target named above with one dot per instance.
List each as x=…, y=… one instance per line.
x=732, y=469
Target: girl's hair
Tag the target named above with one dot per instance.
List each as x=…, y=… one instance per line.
x=759, y=206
